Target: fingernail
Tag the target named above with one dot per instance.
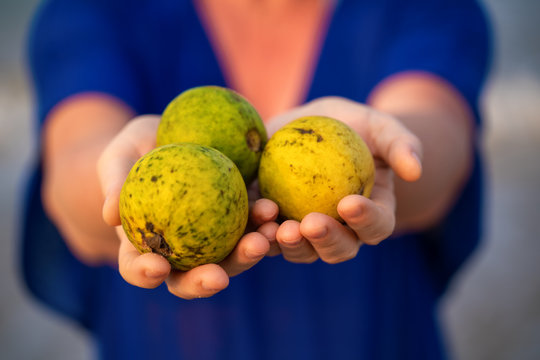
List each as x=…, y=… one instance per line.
x=105, y=202
x=416, y=157
x=291, y=242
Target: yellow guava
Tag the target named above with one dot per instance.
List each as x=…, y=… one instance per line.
x=310, y=164
x=186, y=202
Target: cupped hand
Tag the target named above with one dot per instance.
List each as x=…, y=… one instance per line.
x=151, y=270
x=367, y=220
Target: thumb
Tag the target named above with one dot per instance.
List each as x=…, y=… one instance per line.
x=114, y=164
x=396, y=145
x=112, y=174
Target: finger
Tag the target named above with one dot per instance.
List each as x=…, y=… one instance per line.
x=250, y=250
x=263, y=211
x=294, y=247
x=113, y=187
x=269, y=231
x=371, y=220
x=396, y=145
x=142, y=270
x=333, y=241
x=202, y=281
x=135, y=140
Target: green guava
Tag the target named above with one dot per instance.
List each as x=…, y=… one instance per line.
x=186, y=202
x=220, y=118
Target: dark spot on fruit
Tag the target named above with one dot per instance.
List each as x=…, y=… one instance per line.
x=253, y=140
x=304, y=131
x=287, y=143
x=137, y=169
x=362, y=189
x=195, y=251
x=309, y=131
x=154, y=178
x=155, y=241
x=233, y=97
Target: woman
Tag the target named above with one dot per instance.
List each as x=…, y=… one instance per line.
x=405, y=75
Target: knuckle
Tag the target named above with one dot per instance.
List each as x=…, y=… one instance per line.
x=375, y=236
x=375, y=239
x=346, y=255
x=175, y=291
x=301, y=259
x=376, y=231
x=129, y=277
x=311, y=259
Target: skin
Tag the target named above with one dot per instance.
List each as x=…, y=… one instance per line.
x=89, y=166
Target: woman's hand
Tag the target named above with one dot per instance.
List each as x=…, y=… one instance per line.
x=150, y=270
x=367, y=221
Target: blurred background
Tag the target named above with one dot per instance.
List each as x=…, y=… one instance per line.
x=492, y=310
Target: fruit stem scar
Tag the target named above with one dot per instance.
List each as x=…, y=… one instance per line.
x=253, y=140
x=156, y=242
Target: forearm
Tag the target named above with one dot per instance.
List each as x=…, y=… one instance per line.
x=75, y=134
x=435, y=113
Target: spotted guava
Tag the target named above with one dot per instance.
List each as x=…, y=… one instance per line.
x=186, y=202
x=217, y=117
x=310, y=164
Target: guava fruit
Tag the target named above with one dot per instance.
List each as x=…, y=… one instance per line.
x=220, y=118
x=310, y=164
x=186, y=202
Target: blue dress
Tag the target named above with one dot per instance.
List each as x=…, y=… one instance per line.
x=381, y=305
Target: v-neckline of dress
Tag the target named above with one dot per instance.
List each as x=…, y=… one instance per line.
x=297, y=91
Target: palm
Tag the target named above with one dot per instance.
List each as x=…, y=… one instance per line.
x=368, y=221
